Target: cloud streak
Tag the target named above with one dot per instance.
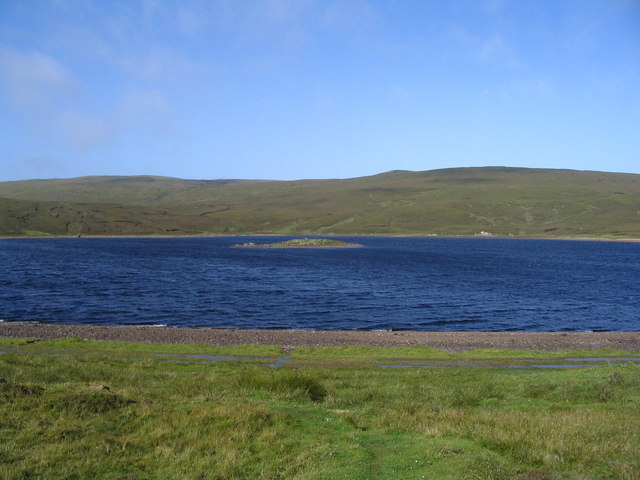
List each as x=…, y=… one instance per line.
x=55, y=103
x=83, y=131
x=120, y=82
x=32, y=79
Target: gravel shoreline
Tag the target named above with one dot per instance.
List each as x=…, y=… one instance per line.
x=450, y=341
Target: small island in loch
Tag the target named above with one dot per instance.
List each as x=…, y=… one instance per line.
x=300, y=243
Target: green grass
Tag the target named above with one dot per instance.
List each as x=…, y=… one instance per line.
x=371, y=352
x=233, y=420
x=428, y=353
x=75, y=344
x=80, y=345
x=464, y=201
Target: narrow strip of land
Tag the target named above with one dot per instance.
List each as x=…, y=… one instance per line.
x=450, y=341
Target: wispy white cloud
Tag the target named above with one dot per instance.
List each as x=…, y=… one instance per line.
x=82, y=130
x=536, y=88
x=44, y=92
x=273, y=23
x=132, y=113
x=187, y=17
x=350, y=15
x=145, y=110
x=192, y=18
x=495, y=47
x=279, y=22
x=486, y=48
x=284, y=10
x=42, y=164
x=143, y=38
x=494, y=7
x=56, y=104
x=32, y=79
x=157, y=64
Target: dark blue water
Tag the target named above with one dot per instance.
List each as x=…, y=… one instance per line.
x=390, y=283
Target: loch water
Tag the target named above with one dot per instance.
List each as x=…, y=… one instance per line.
x=389, y=283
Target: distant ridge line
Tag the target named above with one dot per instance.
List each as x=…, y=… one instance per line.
x=144, y=177
x=494, y=201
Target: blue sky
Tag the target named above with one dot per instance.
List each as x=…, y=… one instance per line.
x=290, y=89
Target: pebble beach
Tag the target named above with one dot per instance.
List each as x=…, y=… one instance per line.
x=288, y=339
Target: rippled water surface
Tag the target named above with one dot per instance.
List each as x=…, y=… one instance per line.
x=390, y=283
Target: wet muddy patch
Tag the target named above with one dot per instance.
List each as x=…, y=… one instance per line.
x=293, y=361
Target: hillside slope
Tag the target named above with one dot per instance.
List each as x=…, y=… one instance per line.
x=460, y=201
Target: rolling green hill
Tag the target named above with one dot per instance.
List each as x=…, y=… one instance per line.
x=459, y=201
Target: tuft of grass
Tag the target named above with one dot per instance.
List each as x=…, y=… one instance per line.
x=307, y=385
x=82, y=403
x=15, y=391
x=17, y=342
x=287, y=383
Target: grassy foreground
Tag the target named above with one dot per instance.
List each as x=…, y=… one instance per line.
x=235, y=420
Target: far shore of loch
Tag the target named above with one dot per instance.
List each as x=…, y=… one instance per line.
x=312, y=235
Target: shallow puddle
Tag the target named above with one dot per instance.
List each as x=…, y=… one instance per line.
x=524, y=363
x=572, y=365
x=277, y=362
x=272, y=362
